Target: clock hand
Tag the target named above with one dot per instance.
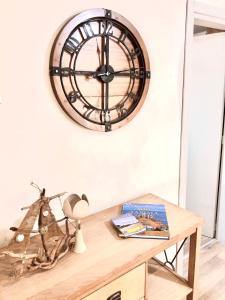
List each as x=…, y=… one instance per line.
x=107, y=52
x=65, y=72
x=126, y=70
x=107, y=68
x=98, y=52
x=87, y=73
x=116, y=72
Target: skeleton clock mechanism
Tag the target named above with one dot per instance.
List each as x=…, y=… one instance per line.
x=99, y=69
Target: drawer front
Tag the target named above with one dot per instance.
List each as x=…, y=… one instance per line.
x=130, y=286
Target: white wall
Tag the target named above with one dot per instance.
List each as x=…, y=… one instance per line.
x=218, y=3
x=40, y=143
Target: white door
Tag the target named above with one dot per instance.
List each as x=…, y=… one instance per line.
x=205, y=119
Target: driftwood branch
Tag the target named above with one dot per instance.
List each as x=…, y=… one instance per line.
x=50, y=243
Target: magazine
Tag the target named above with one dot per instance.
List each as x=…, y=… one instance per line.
x=128, y=225
x=152, y=216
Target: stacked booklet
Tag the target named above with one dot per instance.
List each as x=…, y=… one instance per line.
x=128, y=225
x=147, y=221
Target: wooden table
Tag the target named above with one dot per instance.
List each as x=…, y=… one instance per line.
x=113, y=264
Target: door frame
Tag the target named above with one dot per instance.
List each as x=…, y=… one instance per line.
x=208, y=16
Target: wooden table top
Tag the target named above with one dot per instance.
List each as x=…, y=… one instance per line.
x=107, y=257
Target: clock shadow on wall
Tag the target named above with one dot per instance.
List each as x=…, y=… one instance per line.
x=99, y=69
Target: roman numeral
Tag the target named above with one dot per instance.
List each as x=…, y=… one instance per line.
x=86, y=31
x=122, y=36
x=107, y=28
x=73, y=96
x=133, y=96
x=135, y=53
x=72, y=45
x=89, y=111
x=121, y=111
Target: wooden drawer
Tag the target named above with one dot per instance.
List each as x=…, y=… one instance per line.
x=130, y=286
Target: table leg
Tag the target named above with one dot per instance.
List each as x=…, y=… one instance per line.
x=193, y=265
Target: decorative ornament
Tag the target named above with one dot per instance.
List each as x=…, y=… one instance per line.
x=31, y=249
x=76, y=208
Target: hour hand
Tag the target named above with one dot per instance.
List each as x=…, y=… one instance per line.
x=65, y=72
x=126, y=72
x=133, y=73
x=85, y=73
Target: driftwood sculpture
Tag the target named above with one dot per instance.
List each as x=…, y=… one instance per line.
x=47, y=244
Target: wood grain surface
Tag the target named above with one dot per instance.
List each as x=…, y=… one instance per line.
x=107, y=257
x=174, y=287
x=211, y=284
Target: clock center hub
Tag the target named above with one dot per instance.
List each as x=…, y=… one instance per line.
x=104, y=74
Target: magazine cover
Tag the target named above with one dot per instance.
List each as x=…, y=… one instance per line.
x=128, y=225
x=153, y=216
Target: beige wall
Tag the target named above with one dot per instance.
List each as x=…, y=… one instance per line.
x=40, y=143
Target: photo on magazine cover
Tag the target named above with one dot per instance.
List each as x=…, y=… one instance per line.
x=152, y=216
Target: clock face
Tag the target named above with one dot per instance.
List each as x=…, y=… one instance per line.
x=99, y=69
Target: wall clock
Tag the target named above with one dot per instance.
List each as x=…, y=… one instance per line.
x=100, y=69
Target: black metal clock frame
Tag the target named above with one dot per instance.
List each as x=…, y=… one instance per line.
x=105, y=73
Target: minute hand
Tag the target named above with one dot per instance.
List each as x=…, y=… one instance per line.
x=107, y=70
